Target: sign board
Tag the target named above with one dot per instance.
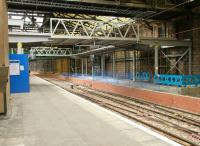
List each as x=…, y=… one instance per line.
x=14, y=67
x=21, y=68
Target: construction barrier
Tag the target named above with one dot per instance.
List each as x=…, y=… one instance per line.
x=143, y=76
x=177, y=80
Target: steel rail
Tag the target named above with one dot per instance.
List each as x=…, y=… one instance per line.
x=128, y=114
x=182, y=118
x=148, y=110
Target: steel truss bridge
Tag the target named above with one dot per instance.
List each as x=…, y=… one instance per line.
x=90, y=29
x=49, y=51
x=84, y=32
x=64, y=32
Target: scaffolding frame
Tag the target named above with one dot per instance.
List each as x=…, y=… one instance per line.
x=180, y=57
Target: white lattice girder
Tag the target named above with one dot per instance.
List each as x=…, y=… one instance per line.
x=50, y=51
x=90, y=29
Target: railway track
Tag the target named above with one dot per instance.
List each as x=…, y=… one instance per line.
x=183, y=127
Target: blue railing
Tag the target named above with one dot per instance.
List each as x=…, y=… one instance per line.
x=191, y=80
x=143, y=76
x=177, y=80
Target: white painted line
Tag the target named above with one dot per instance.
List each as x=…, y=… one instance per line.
x=145, y=129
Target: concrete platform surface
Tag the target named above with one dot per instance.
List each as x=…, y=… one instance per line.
x=50, y=116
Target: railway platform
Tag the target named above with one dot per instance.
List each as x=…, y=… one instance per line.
x=51, y=116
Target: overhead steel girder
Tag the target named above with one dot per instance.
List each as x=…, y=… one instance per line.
x=96, y=7
x=63, y=52
x=62, y=6
x=130, y=4
x=28, y=37
x=99, y=30
x=165, y=42
x=49, y=52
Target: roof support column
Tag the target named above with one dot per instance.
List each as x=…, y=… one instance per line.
x=75, y=64
x=4, y=97
x=92, y=70
x=134, y=66
x=82, y=66
x=92, y=58
x=156, y=68
x=190, y=61
x=102, y=65
x=125, y=65
x=3, y=34
x=86, y=66
x=113, y=64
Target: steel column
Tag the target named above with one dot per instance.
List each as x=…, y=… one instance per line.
x=75, y=66
x=134, y=66
x=102, y=65
x=125, y=65
x=190, y=61
x=156, y=59
x=86, y=66
x=82, y=65
x=113, y=65
x=51, y=28
x=137, y=58
x=92, y=70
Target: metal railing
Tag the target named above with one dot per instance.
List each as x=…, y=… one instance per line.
x=143, y=76
x=177, y=80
